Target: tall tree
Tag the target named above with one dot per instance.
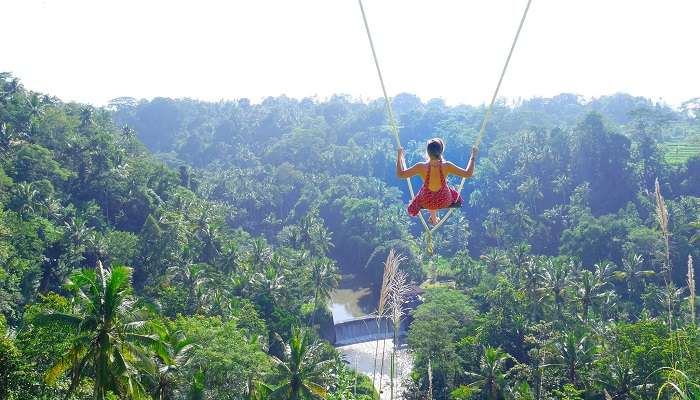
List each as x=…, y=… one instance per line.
x=109, y=340
x=492, y=376
x=173, y=353
x=324, y=279
x=302, y=371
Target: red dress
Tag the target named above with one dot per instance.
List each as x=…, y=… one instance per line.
x=445, y=197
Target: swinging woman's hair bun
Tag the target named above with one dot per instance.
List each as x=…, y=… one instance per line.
x=435, y=148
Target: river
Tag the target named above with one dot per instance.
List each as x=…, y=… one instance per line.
x=353, y=299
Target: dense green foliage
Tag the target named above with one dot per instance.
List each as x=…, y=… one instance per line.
x=236, y=219
x=196, y=314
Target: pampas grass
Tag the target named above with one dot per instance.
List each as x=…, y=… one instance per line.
x=691, y=289
x=391, y=267
x=662, y=219
x=430, y=380
x=398, y=291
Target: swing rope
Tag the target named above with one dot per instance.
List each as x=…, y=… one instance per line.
x=482, y=130
x=394, y=128
x=392, y=120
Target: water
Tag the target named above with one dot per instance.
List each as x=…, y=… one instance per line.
x=361, y=357
x=355, y=299
x=349, y=303
x=366, y=329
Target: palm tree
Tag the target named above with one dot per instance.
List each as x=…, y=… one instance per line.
x=260, y=391
x=325, y=279
x=193, y=277
x=633, y=274
x=29, y=198
x=35, y=105
x=108, y=340
x=260, y=253
x=531, y=191
x=671, y=296
x=302, y=371
x=588, y=291
x=532, y=272
x=206, y=235
x=8, y=87
x=312, y=235
x=270, y=280
x=86, y=114
x=620, y=378
x=555, y=280
x=494, y=260
x=173, y=354
x=519, y=255
x=604, y=272
x=79, y=236
x=573, y=352
x=696, y=236
x=7, y=137
x=491, y=379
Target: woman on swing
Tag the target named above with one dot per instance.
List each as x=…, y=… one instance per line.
x=435, y=194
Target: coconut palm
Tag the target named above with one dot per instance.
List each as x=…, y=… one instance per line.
x=677, y=384
x=324, y=279
x=29, y=198
x=604, y=272
x=531, y=191
x=108, y=341
x=86, y=116
x=79, y=236
x=205, y=235
x=531, y=274
x=492, y=377
x=260, y=254
x=35, y=106
x=620, y=377
x=302, y=371
x=173, y=354
x=193, y=277
x=573, y=352
x=589, y=291
x=696, y=236
x=633, y=274
x=519, y=255
x=672, y=297
x=312, y=235
x=494, y=260
x=270, y=281
x=555, y=280
x=260, y=391
x=7, y=137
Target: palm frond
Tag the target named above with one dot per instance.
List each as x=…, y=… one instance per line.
x=68, y=320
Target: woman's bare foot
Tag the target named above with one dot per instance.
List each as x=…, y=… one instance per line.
x=434, y=218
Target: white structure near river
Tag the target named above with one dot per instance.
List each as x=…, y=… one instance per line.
x=360, y=356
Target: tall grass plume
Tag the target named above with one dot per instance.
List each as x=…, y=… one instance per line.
x=691, y=289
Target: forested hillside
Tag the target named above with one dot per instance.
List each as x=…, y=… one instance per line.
x=178, y=249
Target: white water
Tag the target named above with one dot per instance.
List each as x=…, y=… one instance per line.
x=361, y=357
x=347, y=304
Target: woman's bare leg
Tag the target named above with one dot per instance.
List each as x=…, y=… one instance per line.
x=434, y=217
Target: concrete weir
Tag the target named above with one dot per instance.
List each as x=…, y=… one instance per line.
x=366, y=329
